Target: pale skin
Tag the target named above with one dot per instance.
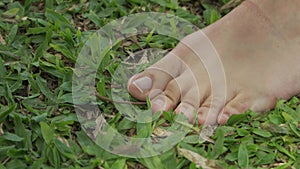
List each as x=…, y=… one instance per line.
x=259, y=47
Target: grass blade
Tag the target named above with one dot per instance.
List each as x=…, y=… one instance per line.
x=243, y=157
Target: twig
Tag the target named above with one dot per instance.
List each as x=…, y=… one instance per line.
x=5, y=161
x=231, y=4
x=106, y=99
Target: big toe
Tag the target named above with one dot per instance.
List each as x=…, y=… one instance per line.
x=154, y=79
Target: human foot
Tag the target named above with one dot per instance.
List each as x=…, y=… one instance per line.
x=259, y=53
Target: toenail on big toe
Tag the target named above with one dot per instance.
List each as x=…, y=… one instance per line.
x=143, y=83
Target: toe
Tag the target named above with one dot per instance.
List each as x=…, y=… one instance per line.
x=188, y=110
x=261, y=104
x=209, y=110
x=237, y=105
x=170, y=97
x=166, y=100
x=244, y=102
x=190, y=102
x=140, y=85
x=155, y=77
x=161, y=103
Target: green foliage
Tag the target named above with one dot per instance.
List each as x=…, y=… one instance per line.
x=211, y=14
x=39, y=44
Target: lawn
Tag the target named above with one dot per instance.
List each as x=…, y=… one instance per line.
x=46, y=123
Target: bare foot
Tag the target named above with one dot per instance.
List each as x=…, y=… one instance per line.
x=259, y=50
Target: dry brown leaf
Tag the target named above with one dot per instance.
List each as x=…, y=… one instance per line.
x=199, y=160
x=1, y=129
x=100, y=122
x=206, y=132
x=160, y=132
x=2, y=41
x=63, y=140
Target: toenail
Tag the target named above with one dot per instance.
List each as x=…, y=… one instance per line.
x=188, y=112
x=181, y=109
x=158, y=103
x=223, y=118
x=143, y=83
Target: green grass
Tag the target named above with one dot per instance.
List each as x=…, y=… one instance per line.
x=39, y=45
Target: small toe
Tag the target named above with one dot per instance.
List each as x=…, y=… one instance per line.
x=188, y=110
x=209, y=111
x=237, y=105
x=190, y=102
x=244, y=102
x=170, y=97
x=161, y=103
